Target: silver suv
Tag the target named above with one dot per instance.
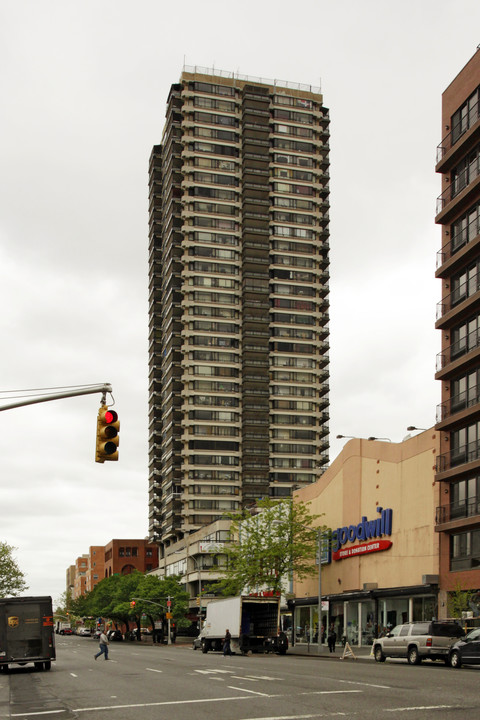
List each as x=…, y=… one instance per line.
x=417, y=641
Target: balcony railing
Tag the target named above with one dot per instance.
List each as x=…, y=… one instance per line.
x=458, y=131
x=463, y=180
x=458, y=456
x=457, y=349
x=458, y=510
x=462, y=292
x=465, y=235
x=459, y=402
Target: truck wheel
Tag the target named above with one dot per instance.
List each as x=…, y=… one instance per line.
x=413, y=657
x=204, y=646
x=48, y=664
x=378, y=654
x=38, y=665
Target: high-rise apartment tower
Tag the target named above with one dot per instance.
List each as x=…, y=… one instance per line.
x=238, y=303
x=458, y=318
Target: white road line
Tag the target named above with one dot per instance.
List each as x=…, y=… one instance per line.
x=154, y=670
x=73, y=675
x=43, y=712
x=243, y=677
x=254, y=692
x=157, y=704
x=364, y=684
x=330, y=692
x=298, y=717
x=419, y=707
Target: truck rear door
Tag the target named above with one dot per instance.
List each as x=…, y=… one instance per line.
x=28, y=628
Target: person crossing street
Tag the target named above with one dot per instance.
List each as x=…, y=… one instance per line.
x=103, y=646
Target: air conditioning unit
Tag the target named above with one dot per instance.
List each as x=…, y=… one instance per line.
x=467, y=615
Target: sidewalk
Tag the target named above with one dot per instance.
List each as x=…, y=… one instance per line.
x=302, y=649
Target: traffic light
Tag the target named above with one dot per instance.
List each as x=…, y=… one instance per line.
x=108, y=426
x=132, y=604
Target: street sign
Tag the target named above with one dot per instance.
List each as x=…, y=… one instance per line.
x=168, y=615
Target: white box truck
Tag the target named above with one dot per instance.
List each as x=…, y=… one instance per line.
x=253, y=622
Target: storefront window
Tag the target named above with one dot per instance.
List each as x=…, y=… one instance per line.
x=368, y=622
x=336, y=618
x=424, y=608
x=391, y=612
x=303, y=628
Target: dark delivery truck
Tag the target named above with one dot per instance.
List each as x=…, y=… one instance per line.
x=26, y=632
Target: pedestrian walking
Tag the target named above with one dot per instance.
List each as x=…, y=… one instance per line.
x=227, y=650
x=332, y=639
x=103, y=646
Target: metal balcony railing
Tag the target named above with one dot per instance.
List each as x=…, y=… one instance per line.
x=457, y=349
x=467, y=176
x=459, y=402
x=462, y=237
x=462, y=292
x=458, y=456
x=469, y=507
x=458, y=131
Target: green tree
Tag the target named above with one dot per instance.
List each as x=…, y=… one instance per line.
x=112, y=598
x=459, y=601
x=267, y=547
x=12, y=579
x=153, y=594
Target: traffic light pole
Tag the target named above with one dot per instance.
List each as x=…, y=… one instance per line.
x=90, y=390
x=167, y=609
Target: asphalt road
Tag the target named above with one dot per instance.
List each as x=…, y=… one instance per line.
x=146, y=682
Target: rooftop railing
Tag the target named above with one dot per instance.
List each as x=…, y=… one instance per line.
x=198, y=70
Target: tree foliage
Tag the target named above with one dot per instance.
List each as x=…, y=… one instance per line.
x=12, y=579
x=267, y=547
x=459, y=601
x=112, y=597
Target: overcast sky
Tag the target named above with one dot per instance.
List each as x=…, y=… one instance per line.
x=83, y=90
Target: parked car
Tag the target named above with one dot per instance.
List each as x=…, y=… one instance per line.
x=197, y=643
x=418, y=641
x=84, y=632
x=66, y=631
x=114, y=636
x=466, y=651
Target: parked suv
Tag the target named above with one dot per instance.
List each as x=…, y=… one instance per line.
x=418, y=641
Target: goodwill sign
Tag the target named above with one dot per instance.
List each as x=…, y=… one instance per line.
x=366, y=530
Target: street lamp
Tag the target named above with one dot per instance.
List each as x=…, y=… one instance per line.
x=412, y=427
x=378, y=438
x=349, y=437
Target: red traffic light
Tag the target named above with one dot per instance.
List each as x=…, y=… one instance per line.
x=108, y=439
x=110, y=416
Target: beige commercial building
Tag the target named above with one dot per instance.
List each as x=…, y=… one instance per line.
x=382, y=566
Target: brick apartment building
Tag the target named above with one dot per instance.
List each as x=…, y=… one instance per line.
x=118, y=557
x=458, y=319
